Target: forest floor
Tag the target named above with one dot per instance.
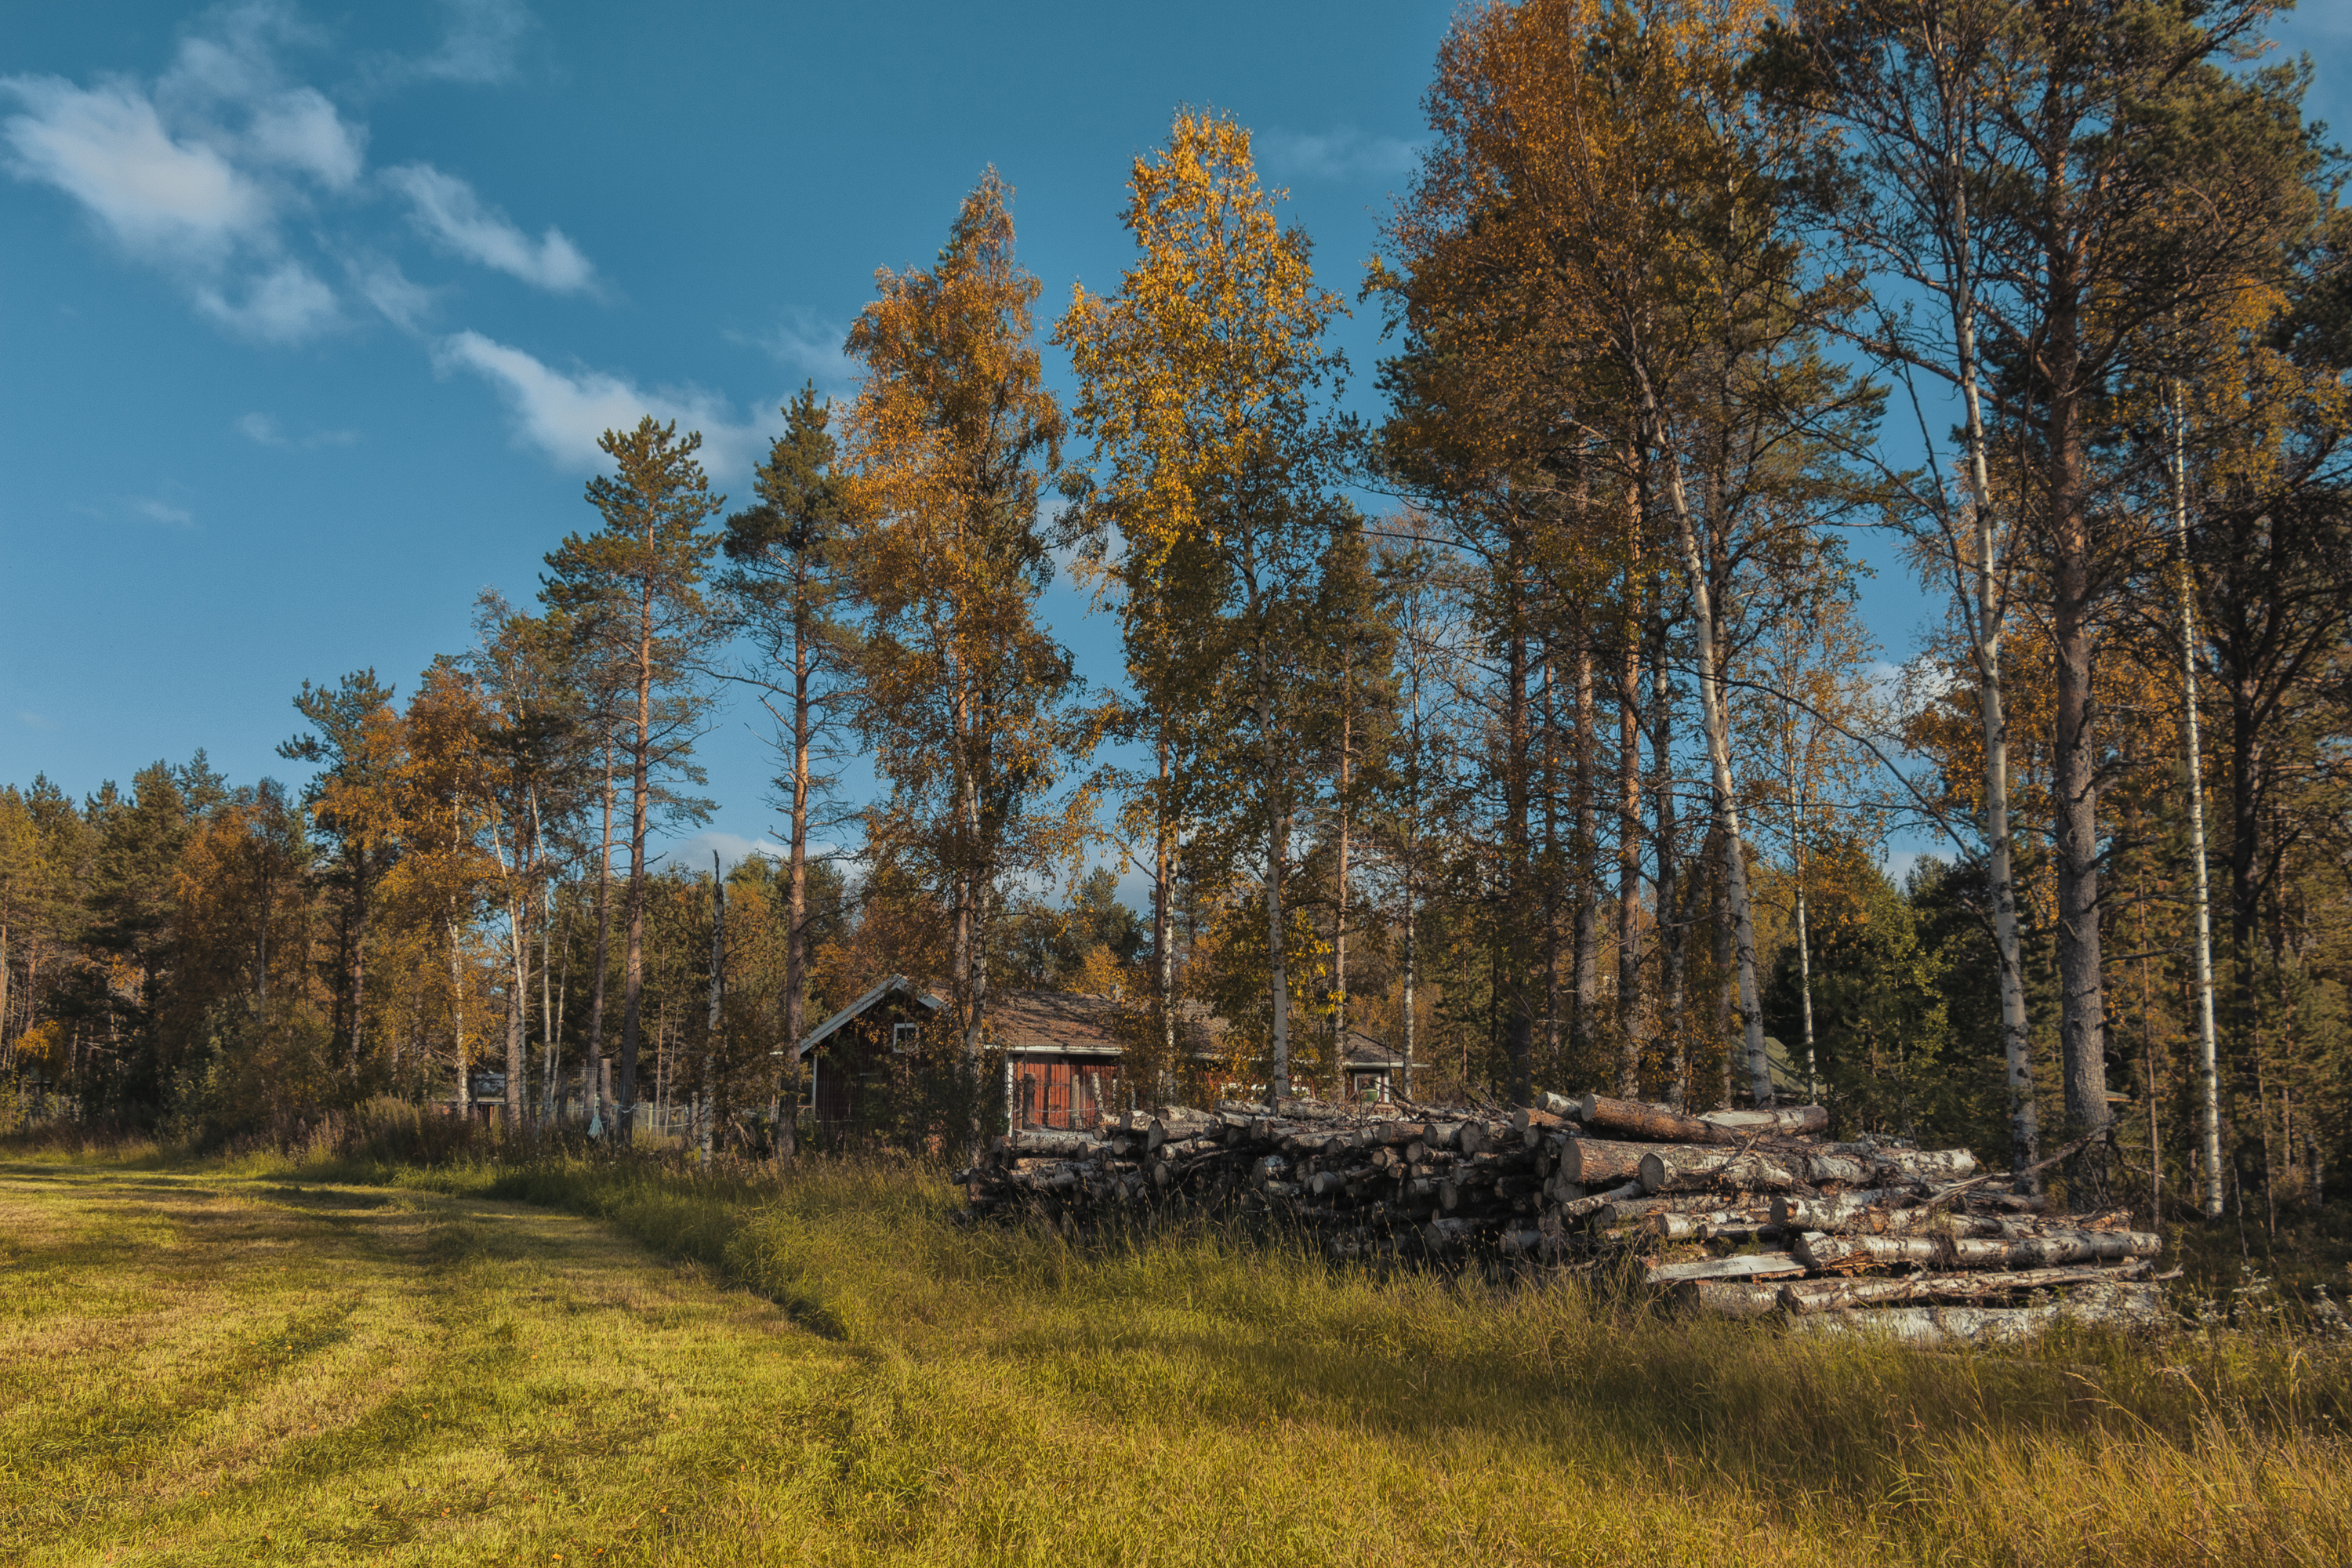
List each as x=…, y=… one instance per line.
x=319, y=1362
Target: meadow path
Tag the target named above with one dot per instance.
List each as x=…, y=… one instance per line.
x=197, y=1368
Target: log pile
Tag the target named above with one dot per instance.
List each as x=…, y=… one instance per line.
x=1750, y=1213
x=1744, y=1212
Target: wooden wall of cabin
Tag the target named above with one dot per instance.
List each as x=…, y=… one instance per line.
x=1053, y=1091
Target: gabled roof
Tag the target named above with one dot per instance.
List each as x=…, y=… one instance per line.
x=1363, y=1051
x=897, y=985
x=1053, y=1022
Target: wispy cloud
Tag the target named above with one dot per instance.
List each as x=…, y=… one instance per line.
x=1345, y=155
x=563, y=414
x=34, y=721
x=301, y=131
x=106, y=147
x=263, y=430
x=693, y=855
x=163, y=511
x=446, y=209
x=284, y=305
x=244, y=185
x=195, y=175
x=810, y=346
x=479, y=47
x=379, y=280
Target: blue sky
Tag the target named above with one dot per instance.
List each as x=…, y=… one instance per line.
x=310, y=316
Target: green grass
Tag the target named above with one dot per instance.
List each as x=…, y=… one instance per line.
x=341, y=1361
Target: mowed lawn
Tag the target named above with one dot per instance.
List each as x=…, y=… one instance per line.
x=204, y=1366
x=198, y=1369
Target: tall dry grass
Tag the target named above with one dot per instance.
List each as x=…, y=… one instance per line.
x=959, y=1393
x=1246, y=1361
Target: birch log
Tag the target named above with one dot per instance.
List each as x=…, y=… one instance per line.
x=1724, y=1298
x=1800, y=1296
x=2054, y=1250
x=1839, y=1213
x=1676, y=1168
x=1789, y=1122
x=1919, y=1164
x=2125, y=1306
x=1747, y=1266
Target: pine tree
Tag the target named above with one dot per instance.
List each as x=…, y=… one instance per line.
x=633, y=589
x=787, y=581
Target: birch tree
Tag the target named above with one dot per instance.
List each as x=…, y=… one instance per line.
x=963, y=695
x=1200, y=383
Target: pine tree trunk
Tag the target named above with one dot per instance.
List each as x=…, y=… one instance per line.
x=706, y=1098
x=354, y=966
x=1278, y=845
x=1629, y=821
x=1511, y=914
x=640, y=817
x=1673, y=919
x=1548, y=763
x=796, y=890
x=1585, y=945
x=1340, y=906
x=592, y=1083
x=2082, y=991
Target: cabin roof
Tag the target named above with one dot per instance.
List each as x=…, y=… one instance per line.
x=1070, y=1023
x=1053, y=1022
x=896, y=986
x=1365, y=1051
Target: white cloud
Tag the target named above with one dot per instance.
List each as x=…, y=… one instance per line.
x=692, y=855
x=263, y=429
x=479, y=47
x=381, y=283
x=107, y=148
x=1345, y=155
x=34, y=721
x=194, y=176
x=562, y=414
x=301, y=131
x=811, y=347
x=165, y=512
x=284, y=305
x=446, y=209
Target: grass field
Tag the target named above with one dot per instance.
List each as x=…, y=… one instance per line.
x=328, y=1362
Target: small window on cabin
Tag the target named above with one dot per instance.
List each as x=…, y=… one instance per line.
x=902, y=1036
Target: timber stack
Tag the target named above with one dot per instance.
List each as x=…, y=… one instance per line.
x=1737, y=1213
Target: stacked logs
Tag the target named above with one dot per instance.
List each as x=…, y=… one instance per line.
x=1750, y=1213
x=1741, y=1213
x=1381, y=1179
